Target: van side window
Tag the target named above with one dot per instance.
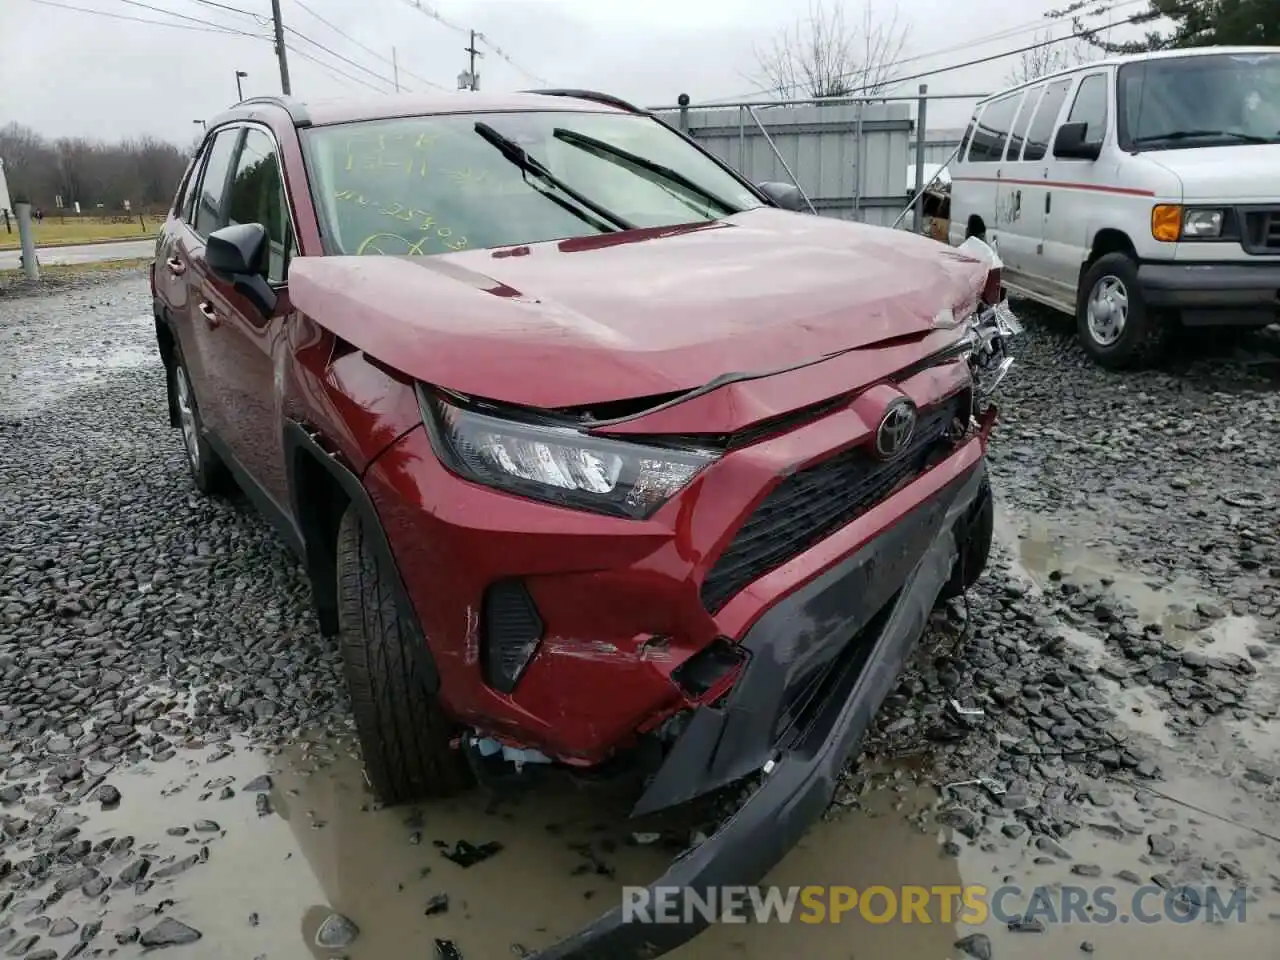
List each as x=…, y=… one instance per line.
x=993, y=130
x=1091, y=107
x=1020, y=125
x=1045, y=120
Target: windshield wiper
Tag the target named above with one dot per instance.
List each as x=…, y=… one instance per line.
x=627, y=158
x=1190, y=134
x=517, y=155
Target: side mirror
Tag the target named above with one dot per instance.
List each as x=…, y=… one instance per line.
x=1070, y=144
x=784, y=195
x=236, y=254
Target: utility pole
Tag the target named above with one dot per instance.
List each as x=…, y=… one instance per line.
x=280, y=55
x=395, y=69
x=473, y=79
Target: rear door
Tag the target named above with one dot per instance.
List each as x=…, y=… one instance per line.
x=1030, y=176
x=246, y=340
x=1021, y=234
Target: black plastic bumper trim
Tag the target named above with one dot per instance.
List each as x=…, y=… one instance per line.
x=1246, y=294
x=802, y=783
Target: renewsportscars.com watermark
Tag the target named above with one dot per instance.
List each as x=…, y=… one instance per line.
x=935, y=904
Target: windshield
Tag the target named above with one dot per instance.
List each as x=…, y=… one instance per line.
x=1211, y=100
x=435, y=184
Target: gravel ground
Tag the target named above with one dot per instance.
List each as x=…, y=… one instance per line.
x=175, y=744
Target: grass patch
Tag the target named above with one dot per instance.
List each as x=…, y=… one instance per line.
x=52, y=278
x=54, y=232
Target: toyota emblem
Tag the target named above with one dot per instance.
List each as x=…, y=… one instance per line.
x=896, y=429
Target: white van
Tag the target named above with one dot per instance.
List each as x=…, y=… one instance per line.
x=1133, y=193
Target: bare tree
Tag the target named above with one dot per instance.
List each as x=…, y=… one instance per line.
x=820, y=55
x=1050, y=57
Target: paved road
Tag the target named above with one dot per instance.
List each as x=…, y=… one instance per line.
x=84, y=253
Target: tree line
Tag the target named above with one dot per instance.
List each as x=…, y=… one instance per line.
x=144, y=171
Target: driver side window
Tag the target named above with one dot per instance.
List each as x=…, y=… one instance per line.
x=257, y=196
x=1090, y=107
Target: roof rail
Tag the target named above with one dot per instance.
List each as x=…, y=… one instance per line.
x=295, y=108
x=593, y=96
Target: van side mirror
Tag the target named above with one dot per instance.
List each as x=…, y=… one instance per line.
x=236, y=253
x=784, y=195
x=1070, y=144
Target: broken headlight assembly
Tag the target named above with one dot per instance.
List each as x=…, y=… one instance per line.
x=540, y=457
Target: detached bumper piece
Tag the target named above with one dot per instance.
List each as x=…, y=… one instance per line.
x=821, y=663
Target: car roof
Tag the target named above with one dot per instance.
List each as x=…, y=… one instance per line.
x=315, y=113
x=1133, y=58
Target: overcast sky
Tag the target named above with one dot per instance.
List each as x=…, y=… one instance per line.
x=70, y=73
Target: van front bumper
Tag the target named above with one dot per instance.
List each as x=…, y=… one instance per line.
x=870, y=633
x=1214, y=294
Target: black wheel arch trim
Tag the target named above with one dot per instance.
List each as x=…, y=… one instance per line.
x=165, y=322
x=300, y=442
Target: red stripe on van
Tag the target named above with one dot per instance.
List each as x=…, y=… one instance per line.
x=1062, y=185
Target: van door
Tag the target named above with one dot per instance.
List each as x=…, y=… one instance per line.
x=1030, y=177
x=1021, y=233
x=1081, y=191
x=978, y=186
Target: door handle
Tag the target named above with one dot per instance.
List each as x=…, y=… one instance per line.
x=1048, y=198
x=176, y=266
x=210, y=315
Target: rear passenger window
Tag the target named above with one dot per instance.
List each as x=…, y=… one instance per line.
x=213, y=185
x=1090, y=107
x=1023, y=121
x=1045, y=119
x=257, y=196
x=182, y=206
x=993, y=129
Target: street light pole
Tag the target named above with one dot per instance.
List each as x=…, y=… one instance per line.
x=239, y=91
x=204, y=126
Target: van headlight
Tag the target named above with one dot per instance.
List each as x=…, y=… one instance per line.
x=557, y=463
x=1200, y=223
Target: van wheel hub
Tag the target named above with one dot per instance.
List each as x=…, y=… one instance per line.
x=1108, y=310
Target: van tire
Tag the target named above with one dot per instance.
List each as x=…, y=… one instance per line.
x=1144, y=335
x=405, y=736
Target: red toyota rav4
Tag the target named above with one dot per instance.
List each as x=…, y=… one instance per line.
x=608, y=455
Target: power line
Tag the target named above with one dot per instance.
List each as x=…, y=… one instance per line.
x=261, y=18
x=212, y=28
x=171, y=13
x=1030, y=26
x=338, y=56
x=369, y=50
x=332, y=70
x=430, y=11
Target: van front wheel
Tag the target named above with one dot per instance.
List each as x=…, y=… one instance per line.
x=1112, y=320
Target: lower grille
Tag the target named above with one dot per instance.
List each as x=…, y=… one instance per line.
x=814, y=503
x=1262, y=231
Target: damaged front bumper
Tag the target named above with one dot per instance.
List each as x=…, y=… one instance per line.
x=821, y=662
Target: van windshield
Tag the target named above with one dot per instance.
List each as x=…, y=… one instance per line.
x=435, y=184
x=1199, y=101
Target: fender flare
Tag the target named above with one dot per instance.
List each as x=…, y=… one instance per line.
x=300, y=442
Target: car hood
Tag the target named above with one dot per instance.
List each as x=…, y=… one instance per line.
x=639, y=313
x=1240, y=173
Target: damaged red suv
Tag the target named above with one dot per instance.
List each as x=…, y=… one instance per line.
x=594, y=451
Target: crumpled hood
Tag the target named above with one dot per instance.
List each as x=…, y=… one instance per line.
x=639, y=313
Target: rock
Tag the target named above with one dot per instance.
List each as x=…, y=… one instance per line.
x=437, y=904
x=976, y=945
x=1160, y=845
x=336, y=932
x=259, y=784
x=108, y=796
x=1086, y=870
x=169, y=933
x=1051, y=846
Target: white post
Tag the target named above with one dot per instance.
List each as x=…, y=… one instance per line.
x=27, y=239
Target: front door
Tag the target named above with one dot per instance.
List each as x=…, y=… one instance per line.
x=247, y=340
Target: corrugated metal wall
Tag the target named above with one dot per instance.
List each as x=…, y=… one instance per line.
x=820, y=145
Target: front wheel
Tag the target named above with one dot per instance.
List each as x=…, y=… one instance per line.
x=208, y=472
x=1115, y=326
x=404, y=735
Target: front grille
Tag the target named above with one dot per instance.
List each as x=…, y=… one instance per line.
x=814, y=503
x=1262, y=231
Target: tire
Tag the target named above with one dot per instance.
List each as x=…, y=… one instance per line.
x=208, y=472
x=1111, y=290
x=404, y=735
x=975, y=549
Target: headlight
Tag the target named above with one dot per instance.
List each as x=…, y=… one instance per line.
x=1202, y=223
x=559, y=464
